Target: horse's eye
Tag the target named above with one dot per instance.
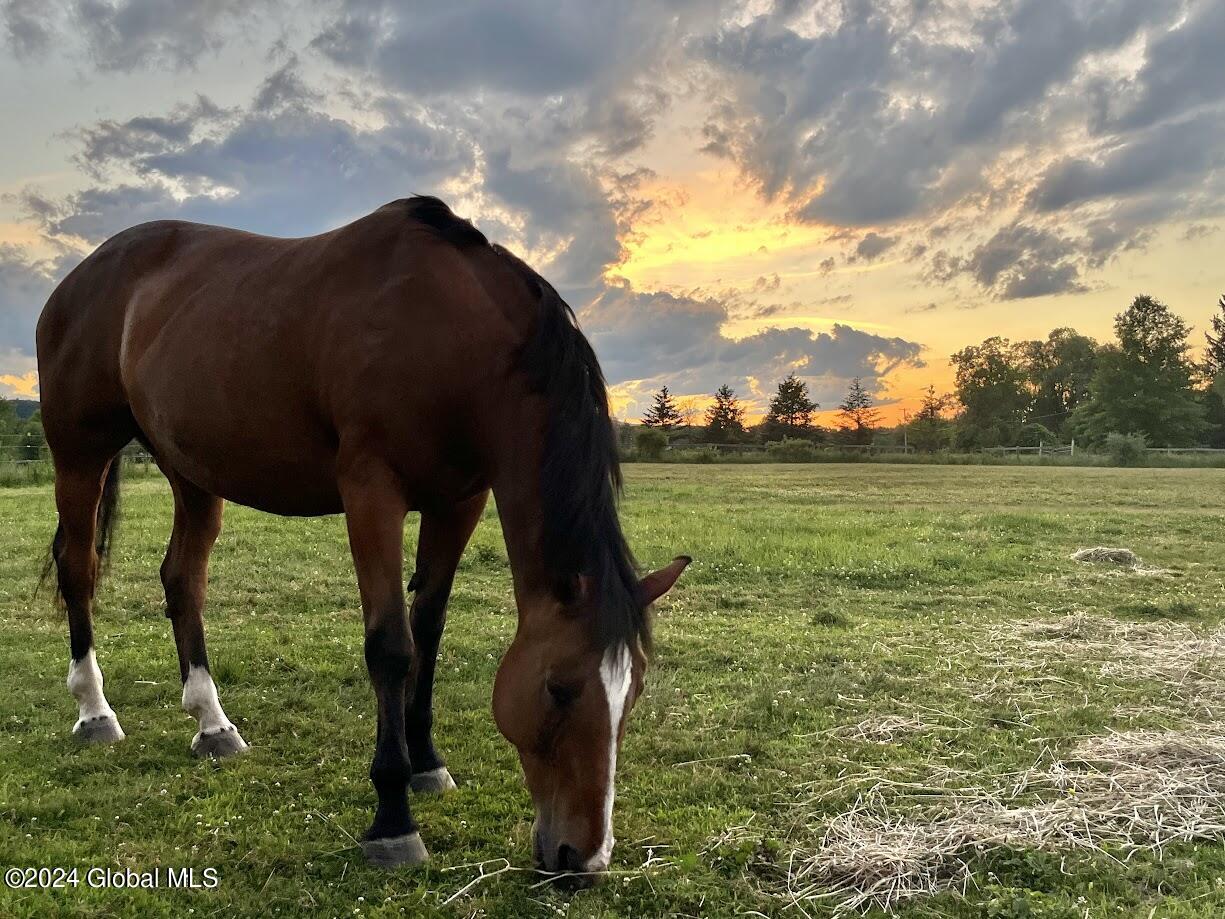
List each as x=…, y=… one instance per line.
x=562, y=694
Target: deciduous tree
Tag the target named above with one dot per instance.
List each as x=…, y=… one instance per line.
x=1145, y=383
x=993, y=389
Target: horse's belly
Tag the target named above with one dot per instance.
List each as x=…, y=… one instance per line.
x=301, y=488
x=260, y=449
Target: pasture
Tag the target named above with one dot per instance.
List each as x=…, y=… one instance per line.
x=881, y=640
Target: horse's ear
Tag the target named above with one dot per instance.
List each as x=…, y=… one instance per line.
x=658, y=583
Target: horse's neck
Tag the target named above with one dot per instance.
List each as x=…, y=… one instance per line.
x=521, y=514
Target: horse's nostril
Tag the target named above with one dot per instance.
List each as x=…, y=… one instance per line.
x=568, y=858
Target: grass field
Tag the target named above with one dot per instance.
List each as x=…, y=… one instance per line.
x=840, y=626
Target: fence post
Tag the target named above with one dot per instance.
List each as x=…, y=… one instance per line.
x=1073, y=453
x=1040, y=443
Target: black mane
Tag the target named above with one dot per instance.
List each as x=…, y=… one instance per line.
x=434, y=213
x=580, y=476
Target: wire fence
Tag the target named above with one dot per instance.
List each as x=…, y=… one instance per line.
x=25, y=458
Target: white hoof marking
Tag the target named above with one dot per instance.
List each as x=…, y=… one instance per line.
x=85, y=684
x=200, y=700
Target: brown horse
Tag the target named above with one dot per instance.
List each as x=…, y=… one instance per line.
x=400, y=363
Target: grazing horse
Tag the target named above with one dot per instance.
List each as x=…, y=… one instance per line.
x=400, y=363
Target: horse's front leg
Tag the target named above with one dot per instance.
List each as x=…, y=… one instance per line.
x=444, y=534
x=374, y=512
x=197, y=522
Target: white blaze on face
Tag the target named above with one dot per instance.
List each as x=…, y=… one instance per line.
x=85, y=684
x=200, y=700
x=615, y=672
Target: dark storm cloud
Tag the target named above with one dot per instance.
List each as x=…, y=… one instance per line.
x=658, y=336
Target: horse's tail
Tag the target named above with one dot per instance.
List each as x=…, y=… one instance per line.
x=108, y=514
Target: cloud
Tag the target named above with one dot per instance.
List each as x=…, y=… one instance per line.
x=1019, y=261
x=909, y=115
x=279, y=167
x=658, y=337
x=18, y=385
x=25, y=284
x=129, y=34
x=891, y=111
x=1182, y=69
x=577, y=69
x=1168, y=156
x=871, y=246
x=28, y=26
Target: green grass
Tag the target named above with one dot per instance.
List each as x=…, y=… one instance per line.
x=819, y=595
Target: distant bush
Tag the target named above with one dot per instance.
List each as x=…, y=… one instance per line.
x=790, y=450
x=1126, y=449
x=698, y=456
x=651, y=443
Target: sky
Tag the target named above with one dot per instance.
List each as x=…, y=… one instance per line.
x=724, y=192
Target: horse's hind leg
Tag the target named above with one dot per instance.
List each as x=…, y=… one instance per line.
x=197, y=521
x=444, y=534
x=78, y=491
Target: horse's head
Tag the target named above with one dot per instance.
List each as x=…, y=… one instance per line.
x=562, y=700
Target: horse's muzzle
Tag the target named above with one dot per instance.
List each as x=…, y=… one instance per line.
x=564, y=861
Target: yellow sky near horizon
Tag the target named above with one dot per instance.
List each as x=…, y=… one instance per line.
x=711, y=235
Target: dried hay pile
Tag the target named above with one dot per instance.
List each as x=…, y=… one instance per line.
x=1124, y=558
x=1186, y=661
x=1135, y=790
x=1139, y=790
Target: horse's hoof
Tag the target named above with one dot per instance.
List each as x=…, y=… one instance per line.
x=394, y=851
x=434, y=782
x=219, y=745
x=103, y=729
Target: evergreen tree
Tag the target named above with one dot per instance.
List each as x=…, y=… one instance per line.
x=859, y=417
x=1144, y=384
x=663, y=413
x=791, y=410
x=725, y=418
x=930, y=430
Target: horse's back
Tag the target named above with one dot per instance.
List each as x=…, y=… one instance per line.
x=247, y=362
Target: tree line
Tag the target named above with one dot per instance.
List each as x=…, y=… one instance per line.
x=1143, y=385
x=21, y=430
